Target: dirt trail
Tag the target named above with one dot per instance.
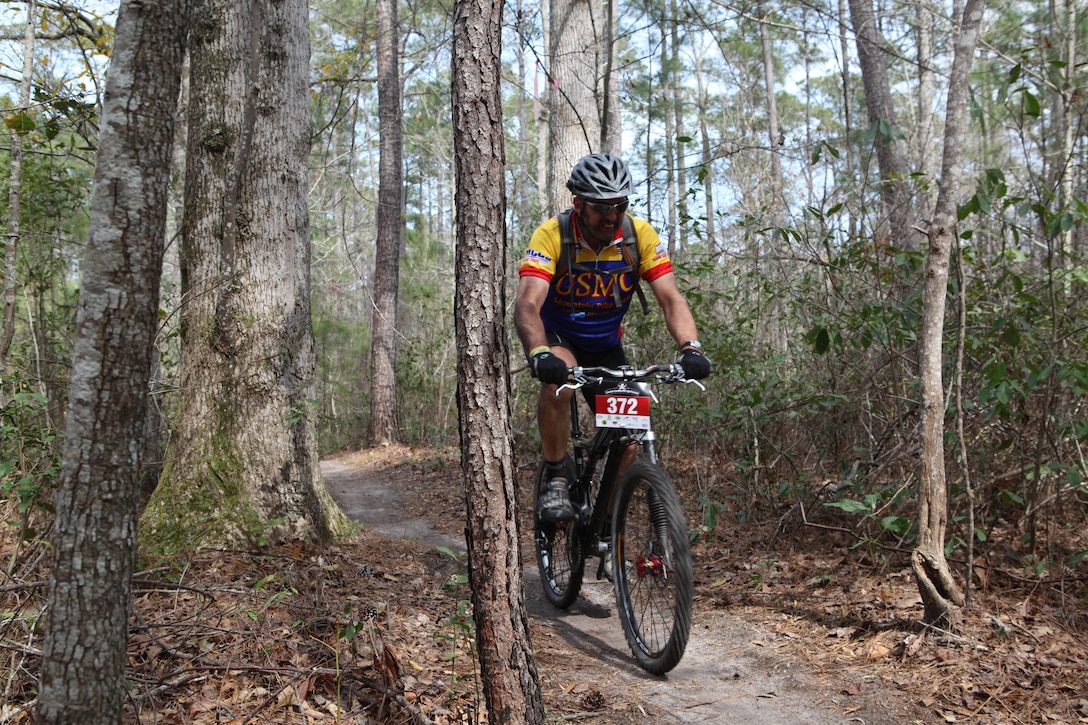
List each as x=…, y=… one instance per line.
x=730, y=673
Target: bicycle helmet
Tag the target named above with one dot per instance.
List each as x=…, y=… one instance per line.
x=600, y=176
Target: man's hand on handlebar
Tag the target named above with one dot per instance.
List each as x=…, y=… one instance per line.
x=696, y=365
x=547, y=368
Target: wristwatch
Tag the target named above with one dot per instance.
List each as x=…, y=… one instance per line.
x=692, y=345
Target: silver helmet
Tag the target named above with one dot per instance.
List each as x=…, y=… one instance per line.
x=600, y=176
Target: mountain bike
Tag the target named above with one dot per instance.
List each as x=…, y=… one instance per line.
x=631, y=518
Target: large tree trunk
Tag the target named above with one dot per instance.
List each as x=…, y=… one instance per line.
x=244, y=454
x=574, y=118
x=383, y=350
x=940, y=594
x=94, y=539
x=507, y=668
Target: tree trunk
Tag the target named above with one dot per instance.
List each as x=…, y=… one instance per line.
x=94, y=539
x=243, y=462
x=773, y=134
x=679, y=86
x=523, y=223
x=894, y=187
x=670, y=140
x=383, y=349
x=574, y=119
x=611, y=118
x=940, y=594
x=924, y=139
x=507, y=669
x=1064, y=20
x=706, y=159
x=15, y=188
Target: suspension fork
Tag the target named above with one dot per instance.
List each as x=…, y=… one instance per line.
x=580, y=444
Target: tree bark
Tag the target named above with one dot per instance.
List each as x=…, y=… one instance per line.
x=776, y=201
x=924, y=141
x=611, y=116
x=706, y=158
x=940, y=594
x=1064, y=23
x=243, y=463
x=387, y=249
x=670, y=141
x=679, y=90
x=894, y=189
x=507, y=669
x=574, y=119
x=94, y=539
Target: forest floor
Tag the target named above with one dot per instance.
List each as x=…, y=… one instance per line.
x=798, y=628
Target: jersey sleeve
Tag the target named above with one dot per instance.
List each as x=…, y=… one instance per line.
x=654, y=259
x=542, y=256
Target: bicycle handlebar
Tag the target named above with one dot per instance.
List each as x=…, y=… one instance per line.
x=664, y=373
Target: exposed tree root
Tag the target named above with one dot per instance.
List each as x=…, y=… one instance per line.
x=940, y=594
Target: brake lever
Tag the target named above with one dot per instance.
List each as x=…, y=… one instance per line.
x=678, y=377
x=580, y=381
x=569, y=386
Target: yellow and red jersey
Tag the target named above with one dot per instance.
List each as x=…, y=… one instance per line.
x=591, y=318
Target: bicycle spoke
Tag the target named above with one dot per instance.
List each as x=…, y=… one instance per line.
x=651, y=589
x=654, y=588
x=558, y=555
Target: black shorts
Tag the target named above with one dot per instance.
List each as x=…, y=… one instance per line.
x=611, y=358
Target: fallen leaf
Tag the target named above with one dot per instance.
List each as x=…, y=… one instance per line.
x=878, y=652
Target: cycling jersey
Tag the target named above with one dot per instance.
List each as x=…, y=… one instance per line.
x=594, y=321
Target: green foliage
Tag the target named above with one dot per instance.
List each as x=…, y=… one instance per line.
x=341, y=413
x=29, y=458
x=427, y=358
x=872, y=505
x=29, y=453
x=459, y=632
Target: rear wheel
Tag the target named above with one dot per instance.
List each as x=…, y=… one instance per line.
x=651, y=565
x=559, y=555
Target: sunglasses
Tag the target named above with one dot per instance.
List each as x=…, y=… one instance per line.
x=606, y=209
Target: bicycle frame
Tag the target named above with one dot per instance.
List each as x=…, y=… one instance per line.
x=607, y=446
x=610, y=444
x=633, y=519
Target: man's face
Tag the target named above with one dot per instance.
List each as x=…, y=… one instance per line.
x=600, y=218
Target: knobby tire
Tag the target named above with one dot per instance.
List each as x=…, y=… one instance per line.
x=559, y=555
x=651, y=562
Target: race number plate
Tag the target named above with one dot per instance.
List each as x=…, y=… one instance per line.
x=623, y=411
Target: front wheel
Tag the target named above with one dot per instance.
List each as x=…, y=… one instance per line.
x=651, y=561
x=559, y=555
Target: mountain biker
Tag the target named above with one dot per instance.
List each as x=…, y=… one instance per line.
x=573, y=315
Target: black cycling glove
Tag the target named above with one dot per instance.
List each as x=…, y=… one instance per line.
x=547, y=368
x=696, y=365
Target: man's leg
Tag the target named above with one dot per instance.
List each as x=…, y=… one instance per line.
x=553, y=420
